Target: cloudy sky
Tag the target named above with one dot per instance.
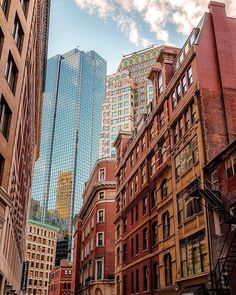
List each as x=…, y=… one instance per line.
x=116, y=27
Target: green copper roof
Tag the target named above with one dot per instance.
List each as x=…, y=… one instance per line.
x=44, y=224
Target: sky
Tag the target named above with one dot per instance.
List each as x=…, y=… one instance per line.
x=116, y=27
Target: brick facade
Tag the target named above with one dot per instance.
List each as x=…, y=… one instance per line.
x=190, y=121
x=93, y=253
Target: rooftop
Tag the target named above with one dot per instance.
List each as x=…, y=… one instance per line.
x=46, y=225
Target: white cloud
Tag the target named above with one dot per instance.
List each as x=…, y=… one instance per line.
x=156, y=14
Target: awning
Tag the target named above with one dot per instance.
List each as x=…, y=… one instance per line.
x=193, y=290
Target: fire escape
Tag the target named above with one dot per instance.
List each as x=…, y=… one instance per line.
x=223, y=271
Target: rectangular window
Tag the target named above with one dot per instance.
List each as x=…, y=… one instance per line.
x=100, y=215
x=18, y=33
x=181, y=127
x=131, y=188
x=163, y=152
x=184, y=84
x=136, y=244
x=144, y=205
x=99, y=272
x=151, y=133
x=190, y=76
x=125, y=225
x=25, y=6
x=136, y=213
x=144, y=174
x=160, y=84
x=132, y=247
x=5, y=117
x=162, y=118
x=153, y=198
x=101, y=174
x=2, y=161
x=187, y=120
x=152, y=165
x=137, y=281
x=132, y=282
x=186, y=158
x=124, y=253
x=175, y=133
x=230, y=166
x=100, y=239
x=136, y=183
x=132, y=216
x=5, y=6
x=174, y=100
x=101, y=195
x=11, y=73
x=178, y=90
x=143, y=143
x=131, y=159
x=193, y=113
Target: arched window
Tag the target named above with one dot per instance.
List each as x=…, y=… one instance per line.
x=168, y=269
x=164, y=189
x=64, y=285
x=156, y=276
x=145, y=239
x=118, y=285
x=166, y=225
x=118, y=256
x=118, y=231
x=145, y=278
x=154, y=233
x=68, y=286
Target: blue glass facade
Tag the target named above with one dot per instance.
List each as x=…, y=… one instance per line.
x=71, y=123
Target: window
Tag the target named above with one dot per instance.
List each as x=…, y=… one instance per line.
x=230, y=165
x=174, y=100
x=145, y=239
x=132, y=247
x=168, y=269
x=166, y=225
x=118, y=256
x=178, y=90
x=136, y=213
x=154, y=233
x=18, y=33
x=175, y=133
x=100, y=239
x=132, y=282
x=156, y=276
x=184, y=84
x=187, y=206
x=143, y=172
x=137, y=152
x=144, y=205
x=151, y=133
x=164, y=189
x=131, y=188
x=162, y=152
x=125, y=285
x=137, y=244
x=5, y=6
x=193, y=113
x=162, y=118
x=124, y=253
x=118, y=285
x=125, y=224
x=25, y=6
x=186, y=158
x=145, y=278
x=5, y=117
x=102, y=174
x=1, y=41
x=187, y=120
x=118, y=231
x=136, y=183
x=101, y=195
x=181, y=127
x=2, y=161
x=153, y=198
x=100, y=215
x=131, y=159
x=190, y=76
x=143, y=143
x=152, y=165
x=99, y=272
x=132, y=216
x=137, y=281
x=160, y=84
x=193, y=254
x=11, y=73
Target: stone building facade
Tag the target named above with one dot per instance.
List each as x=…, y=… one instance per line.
x=161, y=244
x=23, y=50
x=40, y=255
x=93, y=262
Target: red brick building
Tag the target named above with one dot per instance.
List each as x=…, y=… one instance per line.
x=162, y=244
x=23, y=53
x=221, y=184
x=93, y=260
x=60, y=279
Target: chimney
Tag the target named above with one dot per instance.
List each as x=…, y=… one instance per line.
x=217, y=8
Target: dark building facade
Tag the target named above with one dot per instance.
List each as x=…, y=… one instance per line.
x=162, y=244
x=23, y=50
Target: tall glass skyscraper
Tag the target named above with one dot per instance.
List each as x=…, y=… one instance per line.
x=71, y=123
